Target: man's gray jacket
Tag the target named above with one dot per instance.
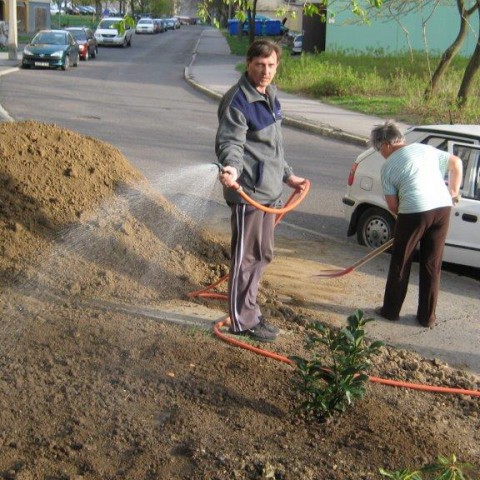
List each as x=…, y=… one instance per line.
x=249, y=138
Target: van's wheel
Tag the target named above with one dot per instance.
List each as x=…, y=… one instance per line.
x=375, y=227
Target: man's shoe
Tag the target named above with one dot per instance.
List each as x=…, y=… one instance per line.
x=258, y=332
x=378, y=311
x=268, y=326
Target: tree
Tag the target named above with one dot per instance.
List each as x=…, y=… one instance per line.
x=450, y=53
x=465, y=10
x=472, y=68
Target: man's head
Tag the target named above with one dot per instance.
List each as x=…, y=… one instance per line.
x=263, y=57
x=386, y=138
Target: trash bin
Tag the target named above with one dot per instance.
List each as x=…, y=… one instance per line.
x=258, y=27
x=273, y=27
x=233, y=26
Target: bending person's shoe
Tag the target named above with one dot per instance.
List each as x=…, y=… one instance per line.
x=379, y=312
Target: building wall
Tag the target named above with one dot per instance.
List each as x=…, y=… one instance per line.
x=31, y=15
x=441, y=30
x=38, y=15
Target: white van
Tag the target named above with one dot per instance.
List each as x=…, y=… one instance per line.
x=366, y=210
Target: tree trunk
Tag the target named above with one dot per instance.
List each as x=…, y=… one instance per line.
x=450, y=52
x=470, y=71
x=251, y=22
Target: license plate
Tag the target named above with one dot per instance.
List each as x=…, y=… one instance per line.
x=42, y=64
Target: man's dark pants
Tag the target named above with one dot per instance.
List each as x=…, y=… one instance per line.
x=252, y=250
x=430, y=229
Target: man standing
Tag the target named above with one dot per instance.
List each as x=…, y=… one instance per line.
x=249, y=145
x=415, y=190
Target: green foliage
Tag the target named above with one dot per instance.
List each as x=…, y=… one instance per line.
x=62, y=21
x=127, y=20
x=401, y=474
x=446, y=468
x=379, y=83
x=331, y=381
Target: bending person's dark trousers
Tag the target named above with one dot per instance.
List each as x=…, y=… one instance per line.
x=430, y=229
x=252, y=251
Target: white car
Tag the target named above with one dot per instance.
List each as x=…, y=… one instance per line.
x=145, y=25
x=297, y=44
x=366, y=210
x=108, y=32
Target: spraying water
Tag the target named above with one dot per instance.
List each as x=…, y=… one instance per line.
x=99, y=255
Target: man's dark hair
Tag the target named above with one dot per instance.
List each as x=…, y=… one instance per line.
x=263, y=48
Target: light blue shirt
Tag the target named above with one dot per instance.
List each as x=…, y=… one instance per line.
x=416, y=174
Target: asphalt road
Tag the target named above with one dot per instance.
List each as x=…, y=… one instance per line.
x=137, y=100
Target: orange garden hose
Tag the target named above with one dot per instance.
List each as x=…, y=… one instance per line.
x=205, y=293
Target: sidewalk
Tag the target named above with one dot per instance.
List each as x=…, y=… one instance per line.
x=212, y=71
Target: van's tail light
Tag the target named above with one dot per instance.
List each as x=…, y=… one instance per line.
x=351, y=175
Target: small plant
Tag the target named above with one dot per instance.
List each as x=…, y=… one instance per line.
x=332, y=380
x=446, y=468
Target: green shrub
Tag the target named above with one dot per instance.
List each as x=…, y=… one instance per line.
x=331, y=381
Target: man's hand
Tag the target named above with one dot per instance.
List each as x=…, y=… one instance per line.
x=228, y=176
x=298, y=183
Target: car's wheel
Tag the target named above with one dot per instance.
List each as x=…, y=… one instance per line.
x=130, y=42
x=66, y=63
x=125, y=42
x=24, y=65
x=77, y=60
x=375, y=227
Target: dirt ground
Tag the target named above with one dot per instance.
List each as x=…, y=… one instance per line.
x=95, y=386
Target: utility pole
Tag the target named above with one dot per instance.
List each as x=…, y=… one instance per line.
x=12, y=30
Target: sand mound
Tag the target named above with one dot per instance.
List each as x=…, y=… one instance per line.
x=76, y=218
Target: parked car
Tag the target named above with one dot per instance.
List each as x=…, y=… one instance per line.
x=55, y=10
x=51, y=48
x=297, y=44
x=145, y=25
x=87, y=43
x=366, y=210
x=159, y=25
x=169, y=23
x=84, y=10
x=109, y=32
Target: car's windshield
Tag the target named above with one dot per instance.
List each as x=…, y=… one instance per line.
x=108, y=24
x=49, y=38
x=78, y=34
x=145, y=20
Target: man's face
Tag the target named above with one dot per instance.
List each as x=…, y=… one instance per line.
x=261, y=70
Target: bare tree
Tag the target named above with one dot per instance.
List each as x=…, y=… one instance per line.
x=450, y=53
x=472, y=68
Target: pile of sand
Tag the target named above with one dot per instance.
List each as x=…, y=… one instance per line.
x=76, y=218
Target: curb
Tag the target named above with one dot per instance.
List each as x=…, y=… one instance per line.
x=319, y=129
